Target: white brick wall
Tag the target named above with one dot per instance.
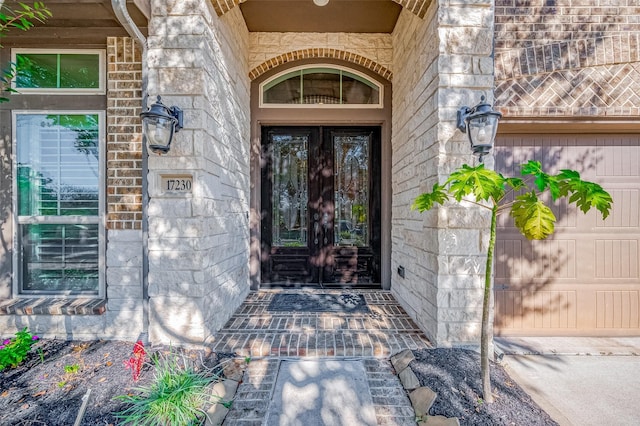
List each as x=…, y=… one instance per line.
x=198, y=242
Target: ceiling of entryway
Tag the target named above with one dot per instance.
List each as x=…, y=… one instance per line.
x=349, y=16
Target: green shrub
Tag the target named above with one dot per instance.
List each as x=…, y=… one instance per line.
x=14, y=351
x=176, y=396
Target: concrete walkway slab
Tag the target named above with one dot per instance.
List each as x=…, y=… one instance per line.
x=568, y=345
x=578, y=381
x=321, y=392
x=581, y=390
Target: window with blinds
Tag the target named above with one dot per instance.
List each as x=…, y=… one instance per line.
x=59, y=202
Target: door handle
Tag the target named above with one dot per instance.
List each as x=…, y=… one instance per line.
x=325, y=221
x=316, y=232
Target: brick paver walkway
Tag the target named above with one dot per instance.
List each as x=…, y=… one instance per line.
x=255, y=332
x=269, y=337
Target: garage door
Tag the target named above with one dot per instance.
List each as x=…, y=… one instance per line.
x=583, y=280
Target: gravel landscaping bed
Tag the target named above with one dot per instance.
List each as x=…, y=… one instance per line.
x=454, y=374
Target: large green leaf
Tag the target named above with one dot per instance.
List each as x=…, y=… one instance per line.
x=543, y=181
x=584, y=194
x=484, y=184
x=515, y=183
x=427, y=200
x=532, y=217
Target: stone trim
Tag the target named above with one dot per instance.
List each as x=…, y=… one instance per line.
x=124, y=134
x=417, y=7
x=48, y=306
x=320, y=53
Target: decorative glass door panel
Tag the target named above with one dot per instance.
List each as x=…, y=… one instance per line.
x=290, y=190
x=320, y=205
x=351, y=159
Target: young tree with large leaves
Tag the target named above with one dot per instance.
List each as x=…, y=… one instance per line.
x=21, y=16
x=535, y=220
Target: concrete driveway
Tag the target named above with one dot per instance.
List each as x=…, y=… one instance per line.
x=578, y=381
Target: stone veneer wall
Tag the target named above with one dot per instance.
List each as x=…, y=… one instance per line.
x=267, y=50
x=199, y=242
x=440, y=63
x=567, y=58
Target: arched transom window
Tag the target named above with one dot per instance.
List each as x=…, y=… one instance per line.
x=321, y=86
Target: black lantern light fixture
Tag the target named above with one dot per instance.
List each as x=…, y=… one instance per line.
x=159, y=123
x=480, y=123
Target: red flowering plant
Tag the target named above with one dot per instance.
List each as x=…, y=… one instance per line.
x=14, y=351
x=136, y=361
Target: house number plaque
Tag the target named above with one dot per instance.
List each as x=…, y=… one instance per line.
x=177, y=183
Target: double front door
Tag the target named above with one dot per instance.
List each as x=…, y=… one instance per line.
x=320, y=205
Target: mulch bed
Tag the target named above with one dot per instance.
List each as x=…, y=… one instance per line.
x=454, y=374
x=42, y=393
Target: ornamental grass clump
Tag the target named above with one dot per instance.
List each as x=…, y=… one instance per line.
x=14, y=351
x=177, y=396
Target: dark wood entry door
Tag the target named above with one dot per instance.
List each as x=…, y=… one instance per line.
x=321, y=205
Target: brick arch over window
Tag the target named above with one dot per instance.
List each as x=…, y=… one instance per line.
x=417, y=7
x=320, y=53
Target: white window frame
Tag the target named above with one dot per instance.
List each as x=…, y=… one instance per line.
x=366, y=77
x=100, y=219
x=101, y=90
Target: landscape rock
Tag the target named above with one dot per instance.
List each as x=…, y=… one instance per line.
x=408, y=379
x=422, y=399
x=401, y=360
x=222, y=392
x=439, y=421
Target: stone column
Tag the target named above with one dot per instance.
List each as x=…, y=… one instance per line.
x=198, y=233
x=441, y=63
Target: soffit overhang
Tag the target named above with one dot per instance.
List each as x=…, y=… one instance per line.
x=79, y=22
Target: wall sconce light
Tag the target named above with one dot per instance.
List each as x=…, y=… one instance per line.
x=159, y=123
x=480, y=123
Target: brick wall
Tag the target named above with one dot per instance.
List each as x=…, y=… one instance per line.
x=568, y=57
x=123, y=318
x=124, y=134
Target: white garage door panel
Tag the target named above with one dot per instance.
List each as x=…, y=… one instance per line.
x=584, y=280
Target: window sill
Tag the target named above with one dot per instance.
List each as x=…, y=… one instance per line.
x=52, y=306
